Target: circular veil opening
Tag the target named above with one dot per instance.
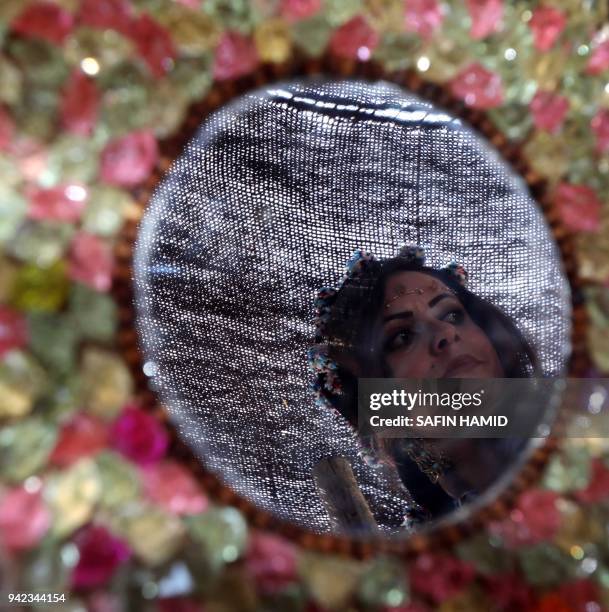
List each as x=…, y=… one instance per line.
x=265, y=206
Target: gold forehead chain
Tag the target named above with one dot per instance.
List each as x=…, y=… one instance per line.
x=402, y=291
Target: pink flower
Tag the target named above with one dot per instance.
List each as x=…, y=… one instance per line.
x=423, y=17
x=535, y=519
x=599, y=60
x=486, y=16
x=154, y=44
x=579, y=207
x=129, y=160
x=90, y=261
x=106, y=15
x=13, y=330
x=548, y=110
x=295, y=10
x=24, y=518
x=598, y=487
x=510, y=592
x=83, y=435
x=440, y=576
x=45, y=20
x=7, y=129
x=104, y=601
x=139, y=436
x=600, y=127
x=235, y=56
x=79, y=104
x=271, y=562
x=61, y=203
x=478, y=87
x=354, y=39
x=172, y=486
x=31, y=157
x=547, y=24
x=100, y=554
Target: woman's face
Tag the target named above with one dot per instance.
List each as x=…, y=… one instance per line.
x=426, y=332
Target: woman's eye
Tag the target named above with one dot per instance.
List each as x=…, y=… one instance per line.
x=401, y=339
x=455, y=316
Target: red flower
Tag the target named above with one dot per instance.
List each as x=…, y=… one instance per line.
x=598, y=487
x=547, y=24
x=7, y=129
x=600, y=127
x=486, y=16
x=510, y=592
x=24, y=518
x=313, y=606
x=295, y=10
x=13, y=330
x=90, y=261
x=478, y=87
x=580, y=595
x=79, y=104
x=61, y=203
x=535, y=519
x=106, y=15
x=354, y=39
x=179, y=604
x=84, y=434
x=548, y=110
x=100, y=554
x=552, y=602
x=153, y=43
x=172, y=486
x=45, y=20
x=599, y=60
x=127, y=161
x=235, y=56
x=440, y=576
x=411, y=607
x=139, y=436
x=423, y=17
x=579, y=207
x=271, y=561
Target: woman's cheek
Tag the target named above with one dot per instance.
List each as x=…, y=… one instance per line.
x=397, y=366
x=480, y=346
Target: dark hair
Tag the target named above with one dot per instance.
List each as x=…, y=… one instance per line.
x=353, y=344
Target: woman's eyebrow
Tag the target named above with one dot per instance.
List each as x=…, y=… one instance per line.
x=439, y=297
x=405, y=314
x=408, y=313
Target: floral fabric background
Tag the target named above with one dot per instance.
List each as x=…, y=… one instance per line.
x=91, y=503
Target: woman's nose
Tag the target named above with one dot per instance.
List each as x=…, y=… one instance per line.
x=443, y=335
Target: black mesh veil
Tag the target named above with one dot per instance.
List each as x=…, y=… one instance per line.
x=265, y=205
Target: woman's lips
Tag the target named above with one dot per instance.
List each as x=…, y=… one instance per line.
x=460, y=364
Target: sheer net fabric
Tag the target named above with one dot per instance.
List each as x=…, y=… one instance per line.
x=264, y=206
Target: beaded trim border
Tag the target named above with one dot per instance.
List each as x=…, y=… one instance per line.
x=221, y=93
